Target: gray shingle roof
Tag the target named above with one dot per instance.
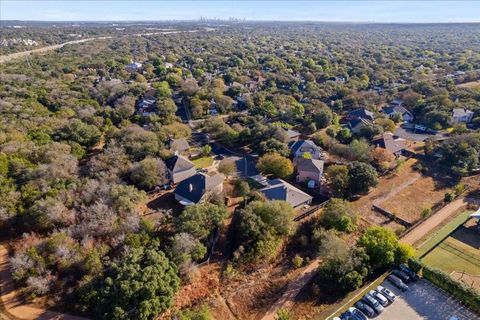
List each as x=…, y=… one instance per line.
x=296, y=145
x=178, y=163
x=387, y=141
x=179, y=145
x=278, y=189
x=196, y=186
x=460, y=112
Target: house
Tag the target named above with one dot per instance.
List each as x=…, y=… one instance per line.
x=300, y=147
x=133, y=66
x=179, y=145
x=392, y=110
x=292, y=135
x=356, y=125
x=361, y=113
x=462, y=115
x=309, y=170
x=180, y=168
x=391, y=143
x=199, y=188
x=278, y=189
x=147, y=104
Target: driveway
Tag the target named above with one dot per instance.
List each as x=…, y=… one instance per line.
x=246, y=164
x=423, y=300
x=413, y=135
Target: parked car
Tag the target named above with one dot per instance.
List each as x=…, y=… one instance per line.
x=219, y=157
x=380, y=298
x=397, y=282
x=372, y=302
x=167, y=186
x=413, y=276
x=402, y=275
x=357, y=313
x=202, y=170
x=386, y=293
x=365, y=308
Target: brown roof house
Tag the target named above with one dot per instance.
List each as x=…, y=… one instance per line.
x=391, y=143
x=180, y=168
x=309, y=170
x=199, y=188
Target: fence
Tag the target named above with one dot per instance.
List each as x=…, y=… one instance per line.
x=392, y=216
x=310, y=211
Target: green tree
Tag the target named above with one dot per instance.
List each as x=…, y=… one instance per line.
x=381, y=246
x=338, y=179
x=339, y=215
x=362, y=177
x=200, y=219
x=84, y=134
x=262, y=225
x=275, y=165
x=141, y=286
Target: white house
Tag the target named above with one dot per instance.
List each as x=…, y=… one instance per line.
x=462, y=115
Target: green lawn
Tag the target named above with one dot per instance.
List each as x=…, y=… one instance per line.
x=203, y=162
x=440, y=234
x=453, y=255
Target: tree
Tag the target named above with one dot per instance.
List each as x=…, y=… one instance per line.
x=84, y=134
x=200, y=219
x=362, y=177
x=275, y=165
x=323, y=118
x=386, y=124
x=148, y=173
x=189, y=87
x=163, y=89
x=138, y=142
x=338, y=178
x=227, y=167
x=339, y=215
x=262, y=225
x=380, y=244
x=125, y=107
x=272, y=145
x=141, y=285
x=242, y=188
x=166, y=110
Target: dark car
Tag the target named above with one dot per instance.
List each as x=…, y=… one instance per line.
x=219, y=157
x=372, y=302
x=413, y=276
x=387, y=293
x=357, y=313
x=365, y=308
x=402, y=275
x=397, y=282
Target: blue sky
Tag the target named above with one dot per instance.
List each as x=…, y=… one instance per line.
x=355, y=11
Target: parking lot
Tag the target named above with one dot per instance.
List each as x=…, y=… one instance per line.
x=424, y=301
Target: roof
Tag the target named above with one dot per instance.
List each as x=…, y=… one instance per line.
x=179, y=145
x=395, y=109
x=353, y=123
x=178, y=163
x=362, y=113
x=460, y=112
x=296, y=145
x=476, y=214
x=292, y=133
x=195, y=187
x=278, y=189
x=388, y=142
x=309, y=165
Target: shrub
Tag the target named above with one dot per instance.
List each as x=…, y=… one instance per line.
x=469, y=296
x=449, y=196
x=297, y=261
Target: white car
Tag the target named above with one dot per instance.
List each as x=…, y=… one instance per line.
x=386, y=293
x=377, y=295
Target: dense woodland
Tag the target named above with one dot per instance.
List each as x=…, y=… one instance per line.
x=77, y=160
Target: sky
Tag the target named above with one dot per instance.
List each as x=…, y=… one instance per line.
x=341, y=11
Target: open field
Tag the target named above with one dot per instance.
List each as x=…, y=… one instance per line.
x=470, y=85
x=405, y=192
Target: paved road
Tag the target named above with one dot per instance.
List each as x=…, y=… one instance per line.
x=423, y=300
x=11, y=302
x=416, y=136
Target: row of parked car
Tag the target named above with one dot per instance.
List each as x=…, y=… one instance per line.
x=375, y=301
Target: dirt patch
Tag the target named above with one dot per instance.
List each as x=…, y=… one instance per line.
x=472, y=281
